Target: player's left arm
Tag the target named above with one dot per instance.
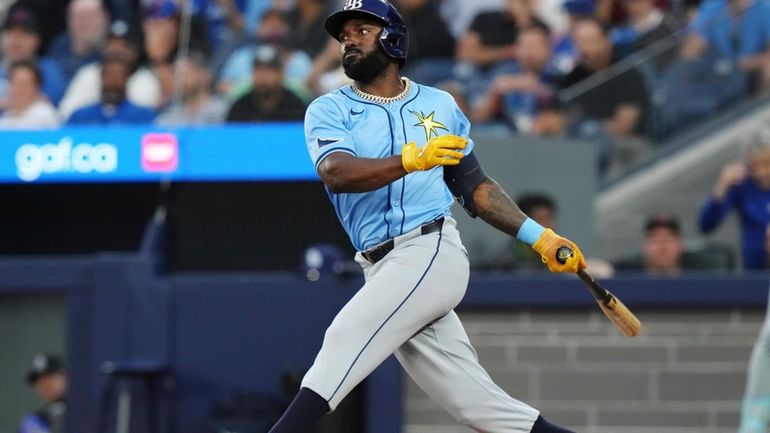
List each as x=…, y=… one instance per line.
x=481, y=196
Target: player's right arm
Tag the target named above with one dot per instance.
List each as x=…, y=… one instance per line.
x=333, y=151
x=342, y=172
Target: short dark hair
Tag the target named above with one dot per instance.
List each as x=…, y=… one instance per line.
x=29, y=65
x=662, y=221
x=603, y=27
x=531, y=201
x=535, y=27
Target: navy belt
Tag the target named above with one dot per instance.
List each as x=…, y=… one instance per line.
x=377, y=253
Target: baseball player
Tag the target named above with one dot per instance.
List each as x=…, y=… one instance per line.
x=393, y=197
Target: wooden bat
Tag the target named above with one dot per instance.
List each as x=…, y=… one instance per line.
x=621, y=317
x=624, y=320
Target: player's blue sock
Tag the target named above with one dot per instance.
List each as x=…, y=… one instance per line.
x=302, y=414
x=543, y=426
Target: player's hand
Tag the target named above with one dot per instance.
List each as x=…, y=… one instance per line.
x=442, y=150
x=547, y=246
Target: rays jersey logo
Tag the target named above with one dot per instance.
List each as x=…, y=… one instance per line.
x=430, y=125
x=353, y=4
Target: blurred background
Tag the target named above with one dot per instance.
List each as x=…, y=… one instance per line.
x=169, y=259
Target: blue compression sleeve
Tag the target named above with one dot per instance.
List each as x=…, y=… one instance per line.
x=530, y=231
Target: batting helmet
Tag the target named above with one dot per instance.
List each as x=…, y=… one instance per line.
x=394, y=38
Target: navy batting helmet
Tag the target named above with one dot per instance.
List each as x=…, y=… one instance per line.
x=394, y=38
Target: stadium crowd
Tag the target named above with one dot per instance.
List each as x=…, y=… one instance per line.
x=542, y=67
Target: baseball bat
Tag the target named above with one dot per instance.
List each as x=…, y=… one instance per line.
x=621, y=317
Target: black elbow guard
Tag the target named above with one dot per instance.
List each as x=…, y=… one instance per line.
x=462, y=179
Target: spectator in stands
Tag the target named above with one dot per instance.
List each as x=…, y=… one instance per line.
x=27, y=107
x=197, y=105
x=51, y=18
x=143, y=88
x=307, y=25
x=223, y=20
x=252, y=14
x=431, y=45
x=114, y=108
x=87, y=24
x=327, y=73
x=745, y=186
x=269, y=99
x=21, y=41
x=459, y=14
x=47, y=376
x=646, y=25
x=273, y=29
x=612, y=110
x=492, y=35
x=662, y=248
x=518, y=98
x=565, y=54
x=161, y=26
x=736, y=29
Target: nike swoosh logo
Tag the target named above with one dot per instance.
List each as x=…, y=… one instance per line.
x=327, y=141
x=356, y=113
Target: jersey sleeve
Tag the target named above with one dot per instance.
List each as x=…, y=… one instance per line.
x=462, y=127
x=325, y=132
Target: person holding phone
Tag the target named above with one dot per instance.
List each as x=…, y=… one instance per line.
x=744, y=186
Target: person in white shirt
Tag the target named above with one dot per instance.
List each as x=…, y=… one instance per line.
x=143, y=88
x=27, y=107
x=196, y=105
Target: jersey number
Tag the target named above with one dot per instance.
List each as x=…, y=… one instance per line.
x=353, y=4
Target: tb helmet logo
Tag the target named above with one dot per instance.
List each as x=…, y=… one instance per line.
x=353, y=4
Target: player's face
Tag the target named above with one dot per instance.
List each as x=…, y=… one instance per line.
x=759, y=168
x=362, y=56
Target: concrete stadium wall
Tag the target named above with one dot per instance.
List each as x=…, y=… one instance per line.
x=685, y=374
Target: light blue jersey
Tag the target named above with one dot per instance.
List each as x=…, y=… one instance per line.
x=341, y=121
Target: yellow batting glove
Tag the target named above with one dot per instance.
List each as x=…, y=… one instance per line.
x=551, y=248
x=442, y=150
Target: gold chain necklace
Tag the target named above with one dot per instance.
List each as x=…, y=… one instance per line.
x=381, y=99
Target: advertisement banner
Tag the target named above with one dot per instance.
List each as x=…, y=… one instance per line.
x=263, y=152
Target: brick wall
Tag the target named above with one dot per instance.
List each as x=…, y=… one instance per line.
x=684, y=374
